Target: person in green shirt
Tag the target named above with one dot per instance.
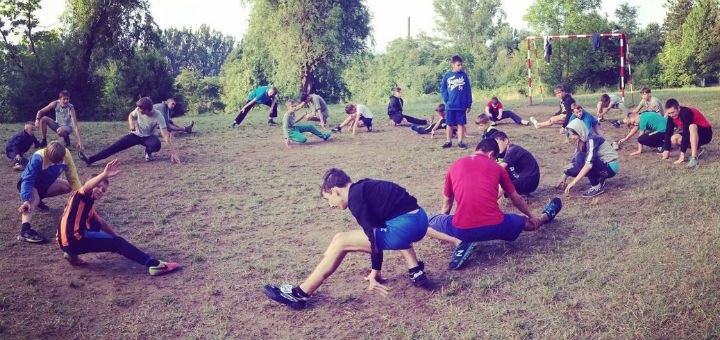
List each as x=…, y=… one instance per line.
x=266, y=95
x=293, y=132
x=651, y=128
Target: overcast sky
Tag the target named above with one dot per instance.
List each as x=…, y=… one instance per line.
x=389, y=17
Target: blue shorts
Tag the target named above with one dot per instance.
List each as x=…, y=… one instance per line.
x=402, y=231
x=508, y=230
x=455, y=117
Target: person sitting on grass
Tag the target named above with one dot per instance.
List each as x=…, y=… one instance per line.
x=294, y=133
x=320, y=112
x=520, y=164
x=143, y=121
x=19, y=144
x=650, y=127
x=39, y=180
x=391, y=219
x=456, y=93
x=474, y=182
x=166, y=108
x=358, y=116
x=561, y=117
x=594, y=158
x=484, y=124
x=608, y=102
x=696, y=131
x=83, y=231
x=432, y=126
x=395, y=110
x=65, y=120
x=266, y=95
x=495, y=109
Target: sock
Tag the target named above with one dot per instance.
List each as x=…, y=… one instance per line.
x=153, y=263
x=414, y=270
x=297, y=291
x=26, y=226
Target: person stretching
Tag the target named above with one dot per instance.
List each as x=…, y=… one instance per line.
x=520, y=164
x=65, y=120
x=495, y=109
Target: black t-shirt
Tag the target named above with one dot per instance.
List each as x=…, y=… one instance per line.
x=566, y=108
x=520, y=163
x=374, y=202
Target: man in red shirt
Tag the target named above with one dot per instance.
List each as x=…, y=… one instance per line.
x=473, y=181
x=696, y=132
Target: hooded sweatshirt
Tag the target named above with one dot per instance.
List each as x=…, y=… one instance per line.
x=395, y=106
x=455, y=91
x=597, y=148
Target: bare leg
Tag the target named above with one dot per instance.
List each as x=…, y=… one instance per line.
x=694, y=140
x=44, y=126
x=59, y=187
x=410, y=257
x=461, y=133
x=63, y=132
x=26, y=217
x=448, y=133
x=342, y=243
x=432, y=233
x=552, y=121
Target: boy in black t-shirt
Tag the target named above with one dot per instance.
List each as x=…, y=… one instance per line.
x=520, y=164
x=390, y=219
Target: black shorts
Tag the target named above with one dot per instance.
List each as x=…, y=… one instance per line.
x=704, y=135
x=42, y=192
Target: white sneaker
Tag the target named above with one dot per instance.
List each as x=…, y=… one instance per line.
x=148, y=157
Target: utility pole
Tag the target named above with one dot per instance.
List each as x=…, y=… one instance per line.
x=408, y=28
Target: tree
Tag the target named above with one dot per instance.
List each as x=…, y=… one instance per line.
x=17, y=20
x=469, y=23
x=203, y=50
x=626, y=16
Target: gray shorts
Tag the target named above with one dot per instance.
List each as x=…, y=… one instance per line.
x=55, y=126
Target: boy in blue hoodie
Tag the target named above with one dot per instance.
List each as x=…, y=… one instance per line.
x=19, y=144
x=457, y=96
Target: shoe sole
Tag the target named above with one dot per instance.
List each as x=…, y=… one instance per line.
x=595, y=195
x=463, y=259
x=20, y=238
x=270, y=293
x=421, y=282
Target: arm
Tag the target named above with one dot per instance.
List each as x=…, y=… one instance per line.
x=77, y=128
x=583, y=172
x=436, y=126
x=444, y=90
x=346, y=121
x=131, y=121
x=248, y=104
x=639, y=146
x=447, y=204
x=355, y=123
x=29, y=175
x=301, y=117
x=521, y=204
x=632, y=132
x=500, y=112
x=168, y=140
x=43, y=111
x=112, y=168
x=104, y=226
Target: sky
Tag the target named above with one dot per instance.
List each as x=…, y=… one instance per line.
x=389, y=17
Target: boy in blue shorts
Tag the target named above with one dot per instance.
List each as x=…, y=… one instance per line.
x=391, y=219
x=474, y=182
x=457, y=96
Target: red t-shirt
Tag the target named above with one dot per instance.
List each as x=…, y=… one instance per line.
x=473, y=182
x=499, y=105
x=697, y=118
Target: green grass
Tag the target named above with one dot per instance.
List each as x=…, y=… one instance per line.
x=637, y=262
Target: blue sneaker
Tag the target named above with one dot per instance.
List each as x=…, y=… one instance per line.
x=552, y=208
x=327, y=136
x=460, y=254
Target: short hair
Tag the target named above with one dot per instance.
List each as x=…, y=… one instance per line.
x=64, y=93
x=672, y=103
x=55, y=152
x=645, y=90
x=488, y=144
x=482, y=118
x=334, y=178
x=440, y=108
x=397, y=89
x=145, y=103
x=304, y=96
x=349, y=108
x=30, y=123
x=576, y=106
x=290, y=102
x=500, y=135
x=274, y=89
x=495, y=99
x=103, y=180
x=605, y=98
x=457, y=59
x=560, y=88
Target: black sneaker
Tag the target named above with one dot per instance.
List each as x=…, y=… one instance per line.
x=594, y=191
x=232, y=126
x=659, y=150
x=447, y=145
x=188, y=129
x=43, y=144
x=616, y=123
x=462, y=145
x=17, y=166
x=284, y=294
x=30, y=236
x=552, y=208
x=42, y=206
x=460, y=254
x=67, y=142
x=418, y=276
x=272, y=123
x=337, y=129
x=83, y=157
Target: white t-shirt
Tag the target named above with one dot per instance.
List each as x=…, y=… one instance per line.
x=615, y=99
x=363, y=111
x=145, y=125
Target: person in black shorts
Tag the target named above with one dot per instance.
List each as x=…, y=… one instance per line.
x=520, y=164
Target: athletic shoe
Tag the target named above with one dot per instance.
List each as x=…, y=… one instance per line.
x=30, y=236
x=462, y=145
x=18, y=166
x=327, y=136
x=447, y=145
x=594, y=191
x=524, y=122
x=369, y=128
x=616, y=123
x=74, y=260
x=615, y=145
x=285, y=295
x=42, y=206
x=148, y=157
x=493, y=123
x=692, y=162
x=188, y=129
x=337, y=129
x=460, y=254
x=552, y=208
x=272, y=123
x=417, y=275
x=232, y=126
x=659, y=150
x=43, y=144
x=163, y=268
x=700, y=152
x=83, y=157
x=534, y=122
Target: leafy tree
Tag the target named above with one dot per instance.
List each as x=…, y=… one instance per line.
x=17, y=19
x=202, y=94
x=470, y=23
x=204, y=50
x=626, y=16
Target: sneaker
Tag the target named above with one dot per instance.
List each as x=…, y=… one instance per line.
x=163, y=268
x=327, y=136
x=534, y=122
x=42, y=206
x=232, y=126
x=616, y=123
x=18, y=166
x=692, y=162
x=83, y=157
x=30, y=236
x=460, y=254
x=188, y=129
x=700, y=152
x=43, y=144
x=552, y=208
x=594, y=191
x=337, y=129
x=524, y=122
x=462, y=145
x=418, y=276
x=272, y=123
x=284, y=294
x=74, y=260
x=148, y=157
x=447, y=145
x=369, y=128
x=493, y=123
x=659, y=150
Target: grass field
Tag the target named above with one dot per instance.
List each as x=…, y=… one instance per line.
x=640, y=261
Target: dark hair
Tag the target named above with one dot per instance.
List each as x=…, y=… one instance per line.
x=440, y=108
x=605, y=98
x=488, y=144
x=349, y=108
x=560, y=88
x=576, y=106
x=334, y=178
x=482, y=118
x=64, y=93
x=145, y=103
x=274, y=89
x=304, y=96
x=645, y=90
x=397, y=89
x=495, y=99
x=672, y=103
x=457, y=59
x=104, y=180
x=500, y=135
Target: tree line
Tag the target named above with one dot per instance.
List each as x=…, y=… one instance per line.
x=110, y=52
